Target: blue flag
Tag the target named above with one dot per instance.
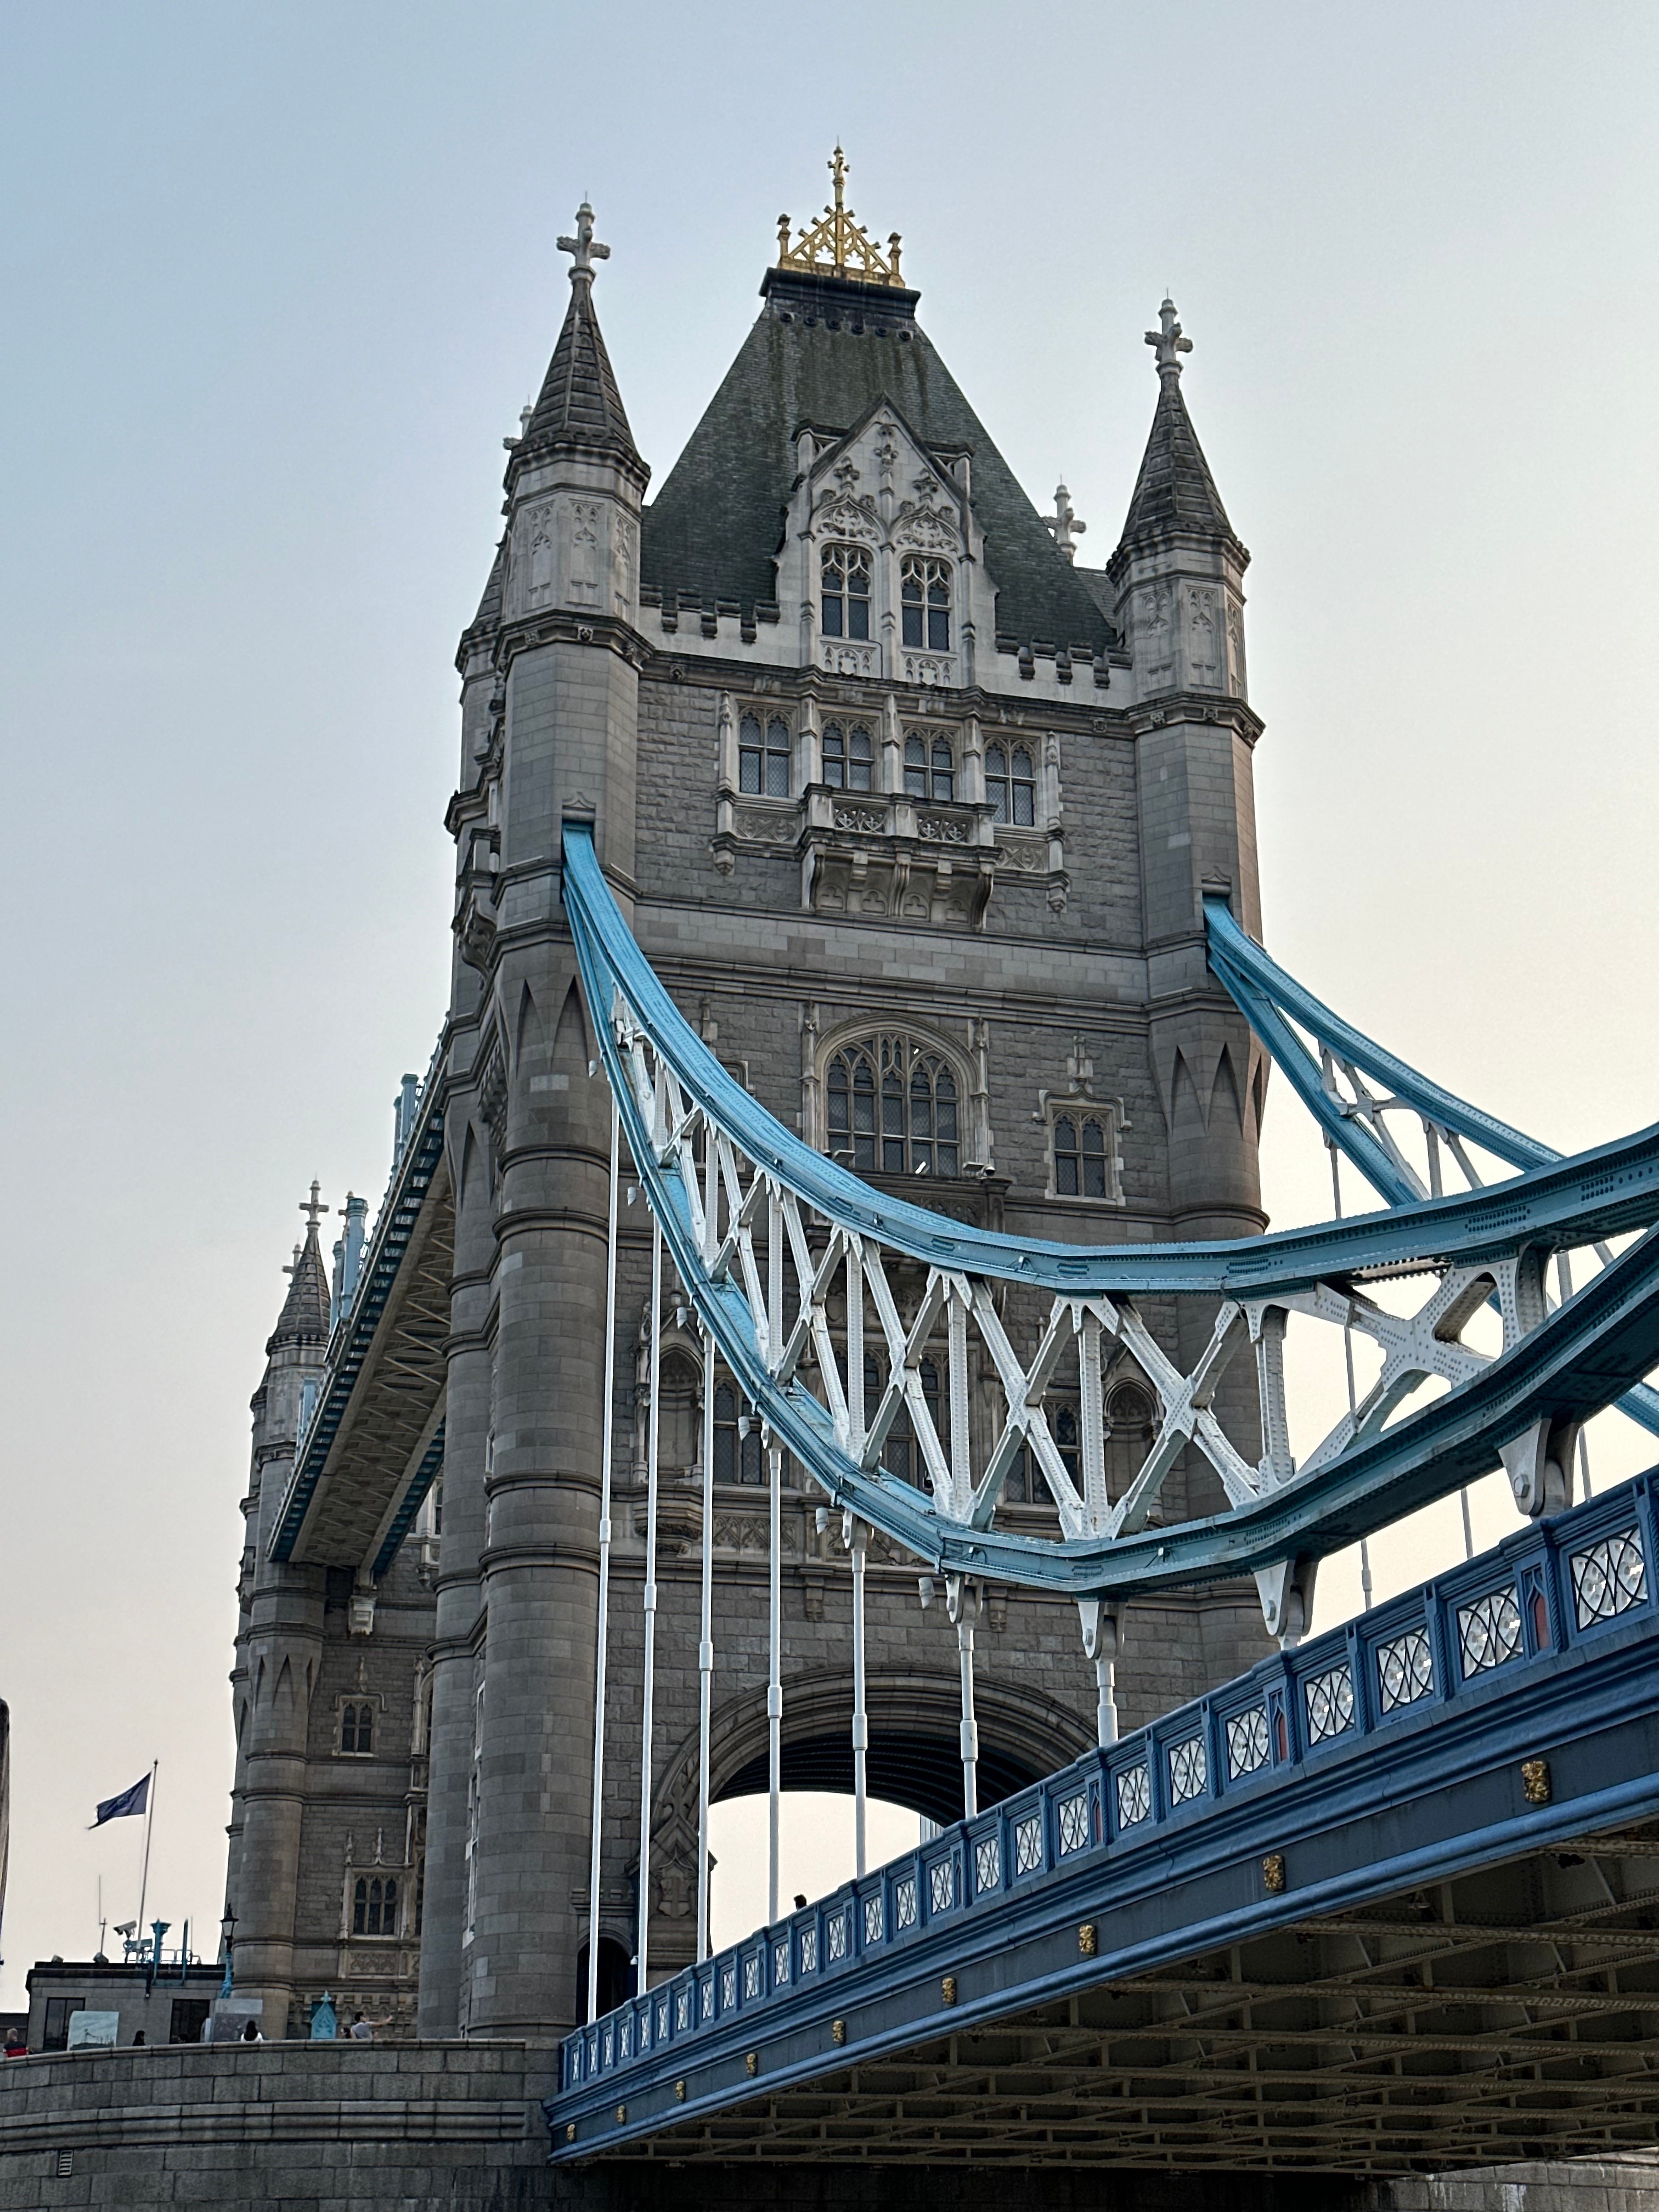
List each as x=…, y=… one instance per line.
x=135, y=1800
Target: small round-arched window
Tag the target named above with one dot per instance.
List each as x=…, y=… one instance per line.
x=894, y=1108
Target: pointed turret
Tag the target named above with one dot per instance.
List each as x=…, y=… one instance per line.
x=1175, y=490
x=579, y=408
x=304, y=1317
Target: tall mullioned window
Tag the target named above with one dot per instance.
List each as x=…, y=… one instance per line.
x=849, y=756
x=893, y=1106
x=374, y=1907
x=845, y=575
x=1011, y=785
x=925, y=602
x=764, y=756
x=737, y=1454
x=357, y=1728
x=930, y=770
x=1081, y=1156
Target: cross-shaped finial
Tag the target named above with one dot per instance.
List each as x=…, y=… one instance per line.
x=1168, y=339
x=1064, y=523
x=314, y=1210
x=584, y=246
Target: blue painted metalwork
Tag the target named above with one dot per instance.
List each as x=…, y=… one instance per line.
x=414, y=1497
x=1577, y=1360
x=1413, y=1719
x=1267, y=995
x=412, y=1171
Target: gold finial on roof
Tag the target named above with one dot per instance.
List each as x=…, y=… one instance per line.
x=836, y=244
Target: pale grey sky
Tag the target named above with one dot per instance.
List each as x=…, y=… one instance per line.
x=278, y=281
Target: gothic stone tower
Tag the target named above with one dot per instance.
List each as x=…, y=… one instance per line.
x=914, y=814
x=887, y=783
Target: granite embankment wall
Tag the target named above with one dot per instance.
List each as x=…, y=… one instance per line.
x=457, y=2127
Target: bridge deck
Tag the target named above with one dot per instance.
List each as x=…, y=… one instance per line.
x=1390, y=1900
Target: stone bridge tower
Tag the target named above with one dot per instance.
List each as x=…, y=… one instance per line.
x=913, y=812
x=886, y=781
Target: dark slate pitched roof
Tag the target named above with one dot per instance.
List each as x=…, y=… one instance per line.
x=714, y=526
x=579, y=404
x=304, y=1316
x=1175, y=489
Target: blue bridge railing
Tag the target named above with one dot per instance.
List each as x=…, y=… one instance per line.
x=1549, y=1592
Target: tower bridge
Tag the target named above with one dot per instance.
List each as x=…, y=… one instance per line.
x=822, y=1329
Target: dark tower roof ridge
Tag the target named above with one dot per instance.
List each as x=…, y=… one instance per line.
x=1175, y=490
x=304, y=1317
x=829, y=349
x=579, y=404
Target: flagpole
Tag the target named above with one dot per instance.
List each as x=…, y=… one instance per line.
x=149, y=1822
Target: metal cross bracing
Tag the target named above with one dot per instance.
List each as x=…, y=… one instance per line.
x=1390, y=1898
x=828, y=1303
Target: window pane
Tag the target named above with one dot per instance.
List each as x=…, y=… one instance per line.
x=916, y=753
x=861, y=755
x=726, y=1454
x=912, y=583
x=996, y=762
x=831, y=616
x=1093, y=1141
x=862, y=749
x=751, y=1458
x=1066, y=1174
x=1094, y=1178
x=777, y=775
x=939, y=631
x=858, y=617
x=947, y=1158
x=1024, y=810
x=912, y=625
x=749, y=771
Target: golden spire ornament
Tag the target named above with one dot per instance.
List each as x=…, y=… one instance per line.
x=837, y=245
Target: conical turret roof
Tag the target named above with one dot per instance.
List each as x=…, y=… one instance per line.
x=579, y=404
x=1175, y=489
x=304, y=1317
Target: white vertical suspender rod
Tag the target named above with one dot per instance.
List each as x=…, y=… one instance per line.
x=642, y=1980
x=774, y=1678
x=774, y=1566
x=706, y=1641
x=858, y=1537
x=606, y=1423
x=1347, y=1351
x=711, y=1199
x=967, y=1606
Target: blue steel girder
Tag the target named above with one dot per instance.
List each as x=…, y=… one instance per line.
x=1560, y=1365
x=352, y=1349
x=1271, y=1000
x=1505, y=1708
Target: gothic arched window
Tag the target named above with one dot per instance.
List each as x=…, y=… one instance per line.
x=845, y=573
x=1081, y=1157
x=1064, y=1427
x=1011, y=785
x=764, y=756
x=925, y=602
x=374, y=1907
x=893, y=1106
x=736, y=1455
x=902, y=1455
x=848, y=756
x=929, y=768
x=357, y=1728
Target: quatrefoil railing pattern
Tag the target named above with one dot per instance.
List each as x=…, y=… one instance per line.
x=807, y=1279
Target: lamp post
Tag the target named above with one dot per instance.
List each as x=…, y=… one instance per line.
x=228, y=1945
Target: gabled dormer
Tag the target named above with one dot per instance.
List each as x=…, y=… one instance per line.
x=883, y=560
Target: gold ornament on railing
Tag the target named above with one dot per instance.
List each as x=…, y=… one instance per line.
x=836, y=244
